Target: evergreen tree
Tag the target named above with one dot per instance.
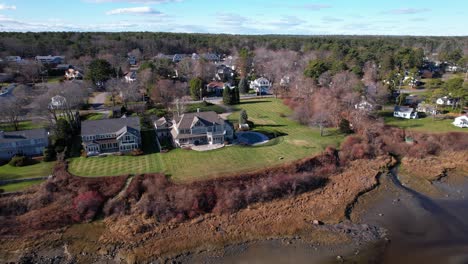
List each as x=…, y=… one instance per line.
x=243, y=86
x=99, y=71
x=227, y=95
x=235, y=96
x=196, y=88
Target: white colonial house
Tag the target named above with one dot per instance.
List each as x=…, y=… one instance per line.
x=111, y=135
x=405, y=112
x=461, y=121
x=261, y=85
x=445, y=101
x=364, y=105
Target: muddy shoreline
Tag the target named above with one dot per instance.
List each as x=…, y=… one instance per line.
x=351, y=219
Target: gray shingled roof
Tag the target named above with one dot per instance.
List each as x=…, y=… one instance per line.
x=14, y=136
x=106, y=126
x=185, y=121
x=403, y=109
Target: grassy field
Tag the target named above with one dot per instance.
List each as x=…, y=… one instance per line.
x=8, y=172
x=426, y=124
x=15, y=187
x=23, y=125
x=185, y=165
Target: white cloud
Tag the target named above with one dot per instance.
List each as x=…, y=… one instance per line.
x=143, y=10
x=7, y=7
x=408, y=11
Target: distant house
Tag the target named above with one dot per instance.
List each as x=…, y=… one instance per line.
x=50, y=59
x=224, y=73
x=111, y=135
x=132, y=60
x=285, y=81
x=163, y=127
x=201, y=128
x=412, y=99
x=13, y=59
x=405, y=112
x=72, y=74
x=178, y=57
x=130, y=77
x=427, y=108
x=64, y=67
x=215, y=87
x=461, y=121
x=261, y=85
x=364, y=105
x=452, y=68
x=25, y=143
x=445, y=101
x=213, y=57
x=57, y=102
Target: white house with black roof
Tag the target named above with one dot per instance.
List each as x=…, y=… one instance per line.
x=111, y=135
x=24, y=143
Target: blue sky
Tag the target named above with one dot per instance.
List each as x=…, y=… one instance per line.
x=364, y=17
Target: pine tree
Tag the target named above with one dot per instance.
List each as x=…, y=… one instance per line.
x=227, y=95
x=243, y=86
x=235, y=96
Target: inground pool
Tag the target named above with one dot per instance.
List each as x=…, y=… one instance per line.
x=251, y=138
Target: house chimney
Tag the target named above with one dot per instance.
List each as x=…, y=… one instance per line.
x=198, y=110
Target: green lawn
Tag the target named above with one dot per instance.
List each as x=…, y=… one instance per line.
x=23, y=125
x=37, y=170
x=185, y=165
x=204, y=107
x=15, y=187
x=92, y=116
x=427, y=124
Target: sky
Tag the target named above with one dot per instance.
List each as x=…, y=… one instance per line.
x=301, y=17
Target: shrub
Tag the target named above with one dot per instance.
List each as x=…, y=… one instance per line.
x=345, y=127
x=20, y=161
x=136, y=152
x=87, y=205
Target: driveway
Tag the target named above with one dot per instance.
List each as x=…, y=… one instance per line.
x=98, y=100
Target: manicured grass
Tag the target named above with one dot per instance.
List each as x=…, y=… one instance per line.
x=23, y=125
x=426, y=124
x=184, y=165
x=15, y=187
x=92, y=116
x=204, y=107
x=37, y=170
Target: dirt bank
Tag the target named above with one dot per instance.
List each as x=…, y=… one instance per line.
x=136, y=238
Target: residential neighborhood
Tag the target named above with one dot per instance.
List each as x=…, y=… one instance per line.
x=176, y=131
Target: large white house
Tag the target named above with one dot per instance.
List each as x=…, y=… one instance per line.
x=261, y=85
x=461, y=121
x=405, y=112
x=198, y=128
x=111, y=135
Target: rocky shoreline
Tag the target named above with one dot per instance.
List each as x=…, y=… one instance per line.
x=332, y=223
